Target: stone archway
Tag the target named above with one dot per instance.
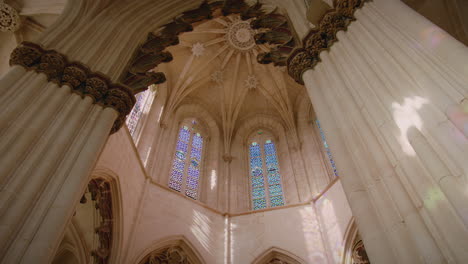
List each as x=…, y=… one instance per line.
x=174, y=250
x=277, y=256
x=354, y=251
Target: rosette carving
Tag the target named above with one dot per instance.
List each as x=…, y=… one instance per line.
x=76, y=75
x=95, y=87
x=52, y=64
x=9, y=18
x=322, y=37
x=27, y=55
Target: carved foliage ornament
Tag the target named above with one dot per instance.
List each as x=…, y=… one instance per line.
x=9, y=18
x=172, y=255
x=101, y=196
x=359, y=254
x=322, y=37
x=76, y=75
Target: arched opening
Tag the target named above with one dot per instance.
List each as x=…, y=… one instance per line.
x=277, y=256
x=93, y=233
x=176, y=250
x=355, y=252
x=66, y=257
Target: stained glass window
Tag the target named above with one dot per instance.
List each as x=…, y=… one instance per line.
x=327, y=148
x=142, y=102
x=185, y=173
x=265, y=175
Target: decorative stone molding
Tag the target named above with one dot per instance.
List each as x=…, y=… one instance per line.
x=322, y=37
x=198, y=49
x=101, y=196
x=240, y=36
x=251, y=82
x=173, y=255
x=277, y=261
x=76, y=75
x=359, y=255
x=217, y=77
x=9, y=18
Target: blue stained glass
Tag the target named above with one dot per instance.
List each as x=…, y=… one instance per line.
x=182, y=146
x=274, y=177
x=277, y=201
x=184, y=134
x=178, y=166
x=197, y=141
x=327, y=148
x=254, y=150
x=194, y=168
x=259, y=204
x=276, y=190
x=137, y=111
x=257, y=182
x=257, y=172
x=270, y=149
x=258, y=193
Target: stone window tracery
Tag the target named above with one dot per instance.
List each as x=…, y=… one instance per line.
x=327, y=149
x=186, y=167
x=265, y=177
x=142, y=105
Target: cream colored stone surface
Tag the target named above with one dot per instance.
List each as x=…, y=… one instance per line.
x=384, y=95
x=335, y=217
x=295, y=230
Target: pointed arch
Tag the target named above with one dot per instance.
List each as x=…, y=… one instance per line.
x=112, y=179
x=354, y=250
x=277, y=255
x=178, y=245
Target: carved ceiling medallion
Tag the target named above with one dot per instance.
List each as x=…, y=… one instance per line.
x=198, y=49
x=9, y=18
x=240, y=35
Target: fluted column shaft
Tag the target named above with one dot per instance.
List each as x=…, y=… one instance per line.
x=384, y=101
x=52, y=142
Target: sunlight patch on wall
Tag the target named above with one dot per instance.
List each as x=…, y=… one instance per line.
x=406, y=116
x=145, y=161
x=312, y=235
x=201, y=228
x=160, y=114
x=213, y=179
x=458, y=115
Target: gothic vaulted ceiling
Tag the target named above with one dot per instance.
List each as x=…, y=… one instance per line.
x=215, y=65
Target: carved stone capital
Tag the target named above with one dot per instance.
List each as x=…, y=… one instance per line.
x=76, y=75
x=322, y=37
x=9, y=18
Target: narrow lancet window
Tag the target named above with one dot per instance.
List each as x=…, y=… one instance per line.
x=327, y=149
x=267, y=190
x=185, y=172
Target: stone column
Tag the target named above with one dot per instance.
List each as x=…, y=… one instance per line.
x=57, y=115
x=385, y=103
x=56, y=118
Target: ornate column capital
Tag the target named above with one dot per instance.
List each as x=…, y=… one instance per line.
x=322, y=37
x=78, y=76
x=9, y=18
